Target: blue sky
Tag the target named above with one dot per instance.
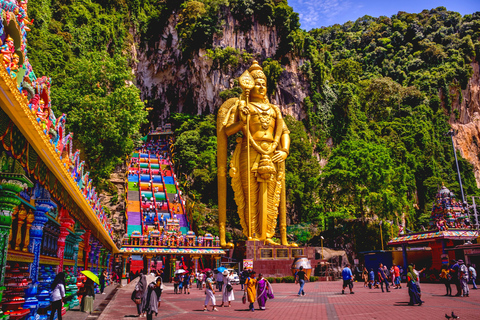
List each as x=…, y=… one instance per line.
x=322, y=13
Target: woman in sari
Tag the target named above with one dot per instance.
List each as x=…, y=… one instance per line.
x=251, y=289
x=264, y=291
x=412, y=287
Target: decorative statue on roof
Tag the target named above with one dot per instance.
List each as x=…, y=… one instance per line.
x=258, y=164
x=8, y=49
x=14, y=66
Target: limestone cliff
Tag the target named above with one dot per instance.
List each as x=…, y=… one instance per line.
x=192, y=85
x=467, y=123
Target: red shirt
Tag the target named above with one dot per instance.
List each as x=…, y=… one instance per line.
x=397, y=271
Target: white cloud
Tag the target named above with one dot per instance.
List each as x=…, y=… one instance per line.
x=314, y=14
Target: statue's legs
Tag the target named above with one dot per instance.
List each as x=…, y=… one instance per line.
x=253, y=223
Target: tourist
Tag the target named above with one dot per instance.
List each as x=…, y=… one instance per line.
x=382, y=277
x=88, y=295
x=446, y=277
x=57, y=295
x=371, y=278
x=152, y=298
x=264, y=291
x=102, y=279
x=463, y=275
x=186, y=283
x=473, y=275
x=251, y=289
x=365, y=277
x=418, y=280
x=243, y=277
x=301, y=278
x=398, y=278
x=139, y=294
x=210, y=292
x=219, y=281
x=227, y=292
x=412, y=279
x=199, y=280
x=347, y=279
x=392, y=273
x=455, y=277
x=176, y=283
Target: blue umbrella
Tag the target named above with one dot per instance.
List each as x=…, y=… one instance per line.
x=221, y=269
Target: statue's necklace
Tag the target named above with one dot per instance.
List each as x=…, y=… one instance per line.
x=263, y=115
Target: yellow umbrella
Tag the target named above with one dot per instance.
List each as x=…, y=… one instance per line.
x=89, y=274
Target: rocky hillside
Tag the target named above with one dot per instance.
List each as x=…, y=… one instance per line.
x=370, y=100
x=192, y=82
x=467, y=139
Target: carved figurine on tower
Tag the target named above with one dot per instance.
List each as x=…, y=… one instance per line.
x=257, y=167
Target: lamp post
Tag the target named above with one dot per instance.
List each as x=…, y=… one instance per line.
x=451, y=134
x=321, y=239
x=381, y=234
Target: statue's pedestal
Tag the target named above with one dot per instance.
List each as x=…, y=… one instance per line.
x=271, y=260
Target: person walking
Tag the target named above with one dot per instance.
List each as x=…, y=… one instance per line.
x=264, y=291
x=473, y=275
x=88, y=296
x=365, y=277
x=139, y=294
x=455, y=277
x=347, y=279
x=243, y=277
x=210, y=292
x=445, y=278
x=152, y=298
x=227, y=292
x=102, y=279
x=57, y=295
x=419, y=289
x=398, y=278
x=186, y=283
x=371, y=278
x=219, y=281
x=382, y=277
x=463, y=275
x=301, y=278
x=412, y=279
x=251, y=289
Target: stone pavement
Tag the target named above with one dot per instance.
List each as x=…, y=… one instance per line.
x=99, y=304
x=322, y=301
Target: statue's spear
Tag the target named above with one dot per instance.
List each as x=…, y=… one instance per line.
x=247, y=83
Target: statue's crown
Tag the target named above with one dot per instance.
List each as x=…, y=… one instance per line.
x=255, y=66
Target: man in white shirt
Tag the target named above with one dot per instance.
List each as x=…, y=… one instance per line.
x=473, y=275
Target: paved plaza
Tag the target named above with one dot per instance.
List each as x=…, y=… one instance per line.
x=322, y=301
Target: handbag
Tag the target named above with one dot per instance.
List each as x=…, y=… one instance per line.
x=244, y=298
x=138, y=301
x=229, y=287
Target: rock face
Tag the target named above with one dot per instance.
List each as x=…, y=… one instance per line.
x=467, y=140
x=117, y=208
x=193, y=86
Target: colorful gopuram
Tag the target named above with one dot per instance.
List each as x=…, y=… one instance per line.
x=449, y=226
x=158, y=225
x=51, y=219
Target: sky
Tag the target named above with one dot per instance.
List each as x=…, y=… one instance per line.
x=323, y=13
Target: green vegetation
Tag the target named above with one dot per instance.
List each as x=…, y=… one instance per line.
x=380, y=94
x=82, y=46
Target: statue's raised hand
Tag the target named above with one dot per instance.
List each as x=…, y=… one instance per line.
x=244, y=111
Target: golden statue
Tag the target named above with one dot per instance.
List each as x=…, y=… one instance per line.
x=257, y=167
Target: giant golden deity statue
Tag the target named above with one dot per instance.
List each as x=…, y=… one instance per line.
x=257, y=167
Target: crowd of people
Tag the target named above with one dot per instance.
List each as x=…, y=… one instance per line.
x=456, y=273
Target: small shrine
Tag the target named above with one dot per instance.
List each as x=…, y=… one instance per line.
x=449, y=226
